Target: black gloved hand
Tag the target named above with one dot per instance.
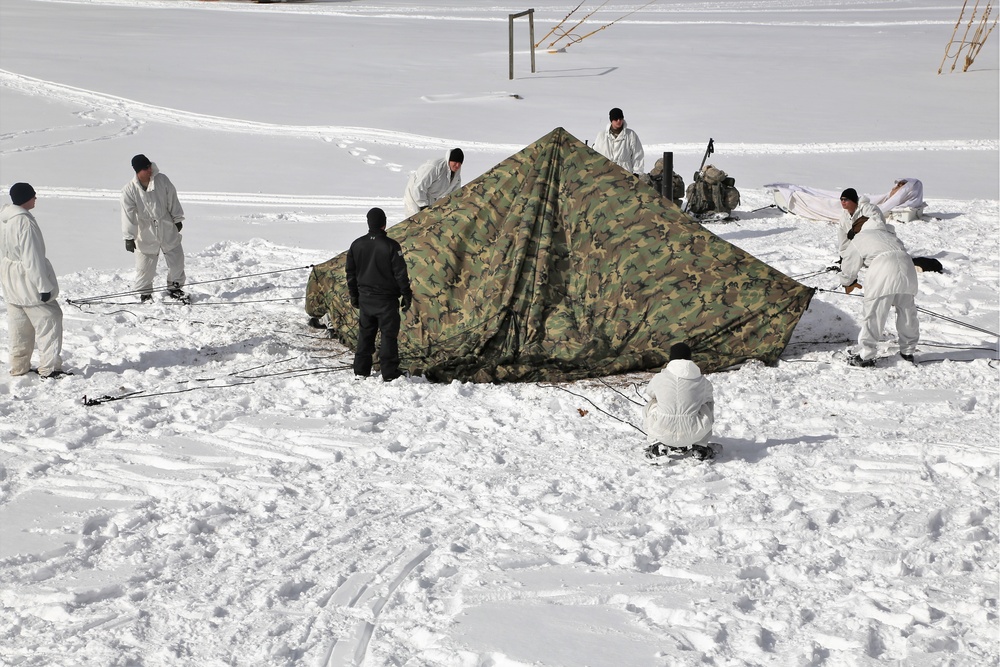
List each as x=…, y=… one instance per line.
x=407, y=302
x=130, y=245
x=354, y=302
x=179, y=225
x=45, y=296
x=850, y=234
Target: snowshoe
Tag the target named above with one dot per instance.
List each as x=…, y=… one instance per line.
x=660, y=454
x=857, y=361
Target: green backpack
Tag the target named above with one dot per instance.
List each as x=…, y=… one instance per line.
x=712, y=191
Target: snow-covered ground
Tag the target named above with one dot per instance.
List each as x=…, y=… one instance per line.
x=213, y=487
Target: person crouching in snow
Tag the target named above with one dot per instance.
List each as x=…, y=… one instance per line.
x=433, y=180
x=680, y=413
x=152, y=219
x=29, y=288
x=891, y=281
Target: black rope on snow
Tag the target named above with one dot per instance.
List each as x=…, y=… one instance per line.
x=299, y=372
x=596, y=407
x=101, y=297
x=614, y=389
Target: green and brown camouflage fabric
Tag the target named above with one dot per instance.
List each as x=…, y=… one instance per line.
x=559, y=265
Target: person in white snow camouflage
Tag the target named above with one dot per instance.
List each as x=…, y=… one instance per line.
x=620, y=144
x=852, y=209
x=432, y=181
x=29, y=288
x=152, y=219
x=891, y=278
x=680, y=413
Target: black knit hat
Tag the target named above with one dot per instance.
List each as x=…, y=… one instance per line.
x=850, y=193
x=21, y=193
x=376, y=219
x=680, y=351
x=140, y=162
x=456, y=155
x=616, y=114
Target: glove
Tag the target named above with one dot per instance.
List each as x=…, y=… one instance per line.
x=179, y=225
x=130, y=245
x=853, y=286
x=354, y=302
x=45, y=296
x=407, y=302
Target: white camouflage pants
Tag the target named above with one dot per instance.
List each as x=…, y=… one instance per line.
x=31, y=325
x=876, y=313
x=145, y=269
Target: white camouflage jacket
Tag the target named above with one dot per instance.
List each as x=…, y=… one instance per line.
x=25, y=272
x=625, y=150
x=430, y=182
x=150, y=215
x=681, y=407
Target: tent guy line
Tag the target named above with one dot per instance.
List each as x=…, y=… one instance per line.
x=922, y=310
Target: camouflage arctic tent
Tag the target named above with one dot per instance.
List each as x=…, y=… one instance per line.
x=557, y=265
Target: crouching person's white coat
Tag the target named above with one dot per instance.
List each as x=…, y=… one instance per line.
x=25, y=275
x=890, y=282
x=681, y=407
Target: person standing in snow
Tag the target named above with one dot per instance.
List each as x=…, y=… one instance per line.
x=680, y=413
x=620, y=144
x=432, y=181
x=376, y=279
x=152, y=219
x=29, y=288
x=891, y=279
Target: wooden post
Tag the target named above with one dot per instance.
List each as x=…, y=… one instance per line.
x=531, y=34
x=530, y=13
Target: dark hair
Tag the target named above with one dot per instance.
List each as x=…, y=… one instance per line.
x=680, y=351
x=616, y=114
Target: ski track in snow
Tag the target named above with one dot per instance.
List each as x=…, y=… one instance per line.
x=248, y=502
x=309, y=518
x=598, y=15
x=129, y=115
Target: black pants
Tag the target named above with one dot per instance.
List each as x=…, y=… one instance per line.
x=378, y=314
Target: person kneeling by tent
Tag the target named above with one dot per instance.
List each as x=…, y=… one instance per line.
x=891, y=280
x=680, y=413
x=376, y=279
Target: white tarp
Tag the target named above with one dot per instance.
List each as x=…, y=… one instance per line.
x=905, y=200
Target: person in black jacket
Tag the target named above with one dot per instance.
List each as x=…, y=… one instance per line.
x=376, y=279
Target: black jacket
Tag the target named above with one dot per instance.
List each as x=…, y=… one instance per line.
x=375, y=267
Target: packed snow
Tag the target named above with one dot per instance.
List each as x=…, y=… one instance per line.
x=214, y=487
